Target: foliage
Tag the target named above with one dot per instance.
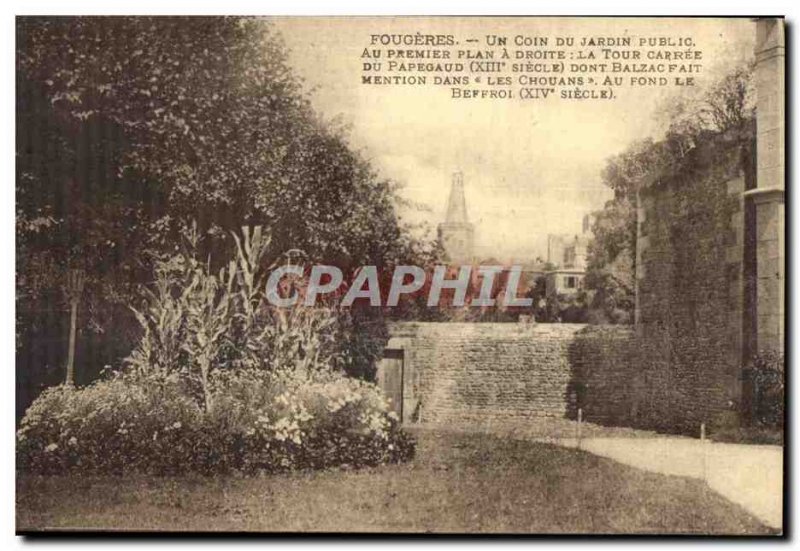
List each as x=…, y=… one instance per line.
x=221, y=380
x=765, y=373
x=273, y=422
x=73, y=212
x=558, y=307
x=538, y=294
x=130, y=129
x=211, y=110
x=358, y=339
x=564, y=308
x=611, y=269
x=196, y=321
x=725, y=108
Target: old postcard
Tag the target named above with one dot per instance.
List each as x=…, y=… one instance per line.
x=505, y=275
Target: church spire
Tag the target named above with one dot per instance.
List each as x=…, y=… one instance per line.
x=457, y=204
x=456, y=234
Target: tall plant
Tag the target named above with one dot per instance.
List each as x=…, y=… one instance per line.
x=197, y=322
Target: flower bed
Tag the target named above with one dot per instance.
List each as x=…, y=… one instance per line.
x=260, y=422
x=220, y=381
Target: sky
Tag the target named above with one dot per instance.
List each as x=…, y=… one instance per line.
x=531, y=168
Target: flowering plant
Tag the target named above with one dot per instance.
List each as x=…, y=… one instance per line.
x=220, y=381
x=261, y=421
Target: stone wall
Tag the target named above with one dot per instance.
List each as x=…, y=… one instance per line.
x=696, y=318
x=692, y=291
x=487, y=372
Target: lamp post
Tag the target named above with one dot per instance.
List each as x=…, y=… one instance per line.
x=74, y=289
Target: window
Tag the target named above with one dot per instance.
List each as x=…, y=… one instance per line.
x=571, y=282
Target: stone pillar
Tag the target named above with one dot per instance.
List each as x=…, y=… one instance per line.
x=768, y=196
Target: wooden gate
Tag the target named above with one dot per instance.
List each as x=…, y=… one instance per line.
x=390, y=379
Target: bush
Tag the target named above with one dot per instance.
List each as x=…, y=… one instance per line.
x=765, y=374
x=260, y=422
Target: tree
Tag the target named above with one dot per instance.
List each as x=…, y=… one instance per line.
x=611, y=254
x=726, y=108
x=727, y=105
x=74, y=213
x=212, y=112
x=538, y=294
x=132, y=129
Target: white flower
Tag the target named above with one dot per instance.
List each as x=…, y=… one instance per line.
x=51, y=447
x=73, y=441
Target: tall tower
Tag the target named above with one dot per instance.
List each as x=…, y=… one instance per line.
x=768, y=195
x=456, y=233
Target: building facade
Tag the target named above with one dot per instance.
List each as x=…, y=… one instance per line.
x=567, y=256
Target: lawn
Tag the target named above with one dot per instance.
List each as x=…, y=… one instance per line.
x=458, y=483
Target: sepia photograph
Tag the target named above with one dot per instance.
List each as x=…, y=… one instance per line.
x=397, y=275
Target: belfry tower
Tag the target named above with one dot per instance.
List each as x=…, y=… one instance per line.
x=456, y=234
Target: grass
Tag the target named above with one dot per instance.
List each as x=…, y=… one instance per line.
x=458, y=483
x=749, y=435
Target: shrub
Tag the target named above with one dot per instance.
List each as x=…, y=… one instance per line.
x=765, y=372
x=259, y=421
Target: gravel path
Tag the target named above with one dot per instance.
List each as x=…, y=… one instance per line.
x=748, y=475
